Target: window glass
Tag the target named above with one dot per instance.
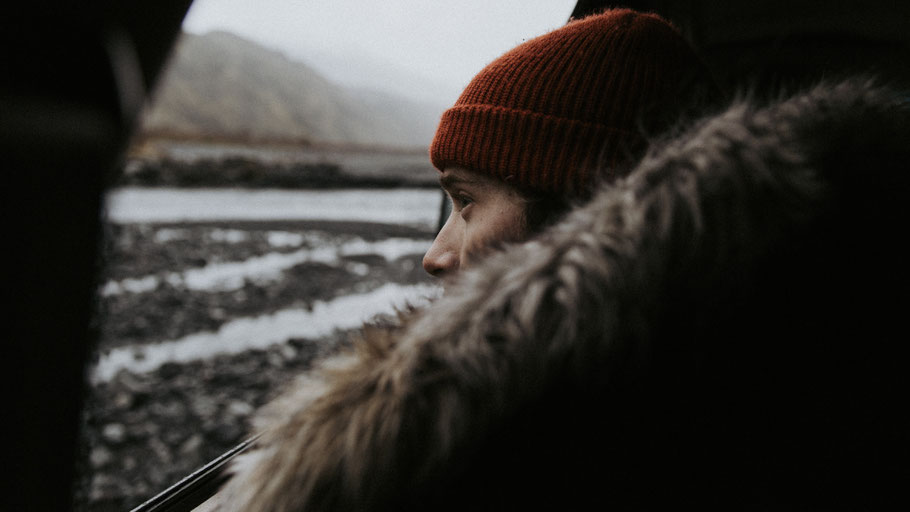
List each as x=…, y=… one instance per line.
x=277, y=195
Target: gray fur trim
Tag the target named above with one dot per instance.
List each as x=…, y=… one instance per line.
x=701, y=212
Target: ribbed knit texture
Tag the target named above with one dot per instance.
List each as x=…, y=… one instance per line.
x=561, y=108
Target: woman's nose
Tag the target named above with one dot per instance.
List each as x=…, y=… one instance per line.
x=442, y=257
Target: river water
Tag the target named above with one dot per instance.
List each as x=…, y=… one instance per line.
x=414, y=207
x=243, y=334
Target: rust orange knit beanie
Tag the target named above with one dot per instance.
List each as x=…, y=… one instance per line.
x=573, y=105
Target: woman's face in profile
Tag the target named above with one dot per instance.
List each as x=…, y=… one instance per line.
x=485, y=211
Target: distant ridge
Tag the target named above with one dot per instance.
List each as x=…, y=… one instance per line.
x=222, y=85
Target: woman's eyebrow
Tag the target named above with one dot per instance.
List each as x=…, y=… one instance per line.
x=448, y=181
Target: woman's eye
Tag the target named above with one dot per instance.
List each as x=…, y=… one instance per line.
x=461, y=201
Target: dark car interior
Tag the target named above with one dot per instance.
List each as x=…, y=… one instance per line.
x=74, y=76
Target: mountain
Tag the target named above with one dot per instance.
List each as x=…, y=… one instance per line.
x=219, y=84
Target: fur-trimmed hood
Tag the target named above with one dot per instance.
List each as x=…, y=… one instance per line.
x=719, y=308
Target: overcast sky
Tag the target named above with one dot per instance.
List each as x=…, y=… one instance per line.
x=429, y=49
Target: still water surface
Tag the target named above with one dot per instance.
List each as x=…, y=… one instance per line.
x=413, y=207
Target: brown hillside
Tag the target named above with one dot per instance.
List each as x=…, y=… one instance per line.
x=220, y=84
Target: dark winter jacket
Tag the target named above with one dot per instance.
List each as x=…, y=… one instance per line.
x=721, y=329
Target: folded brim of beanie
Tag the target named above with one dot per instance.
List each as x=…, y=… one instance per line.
x=529, y=149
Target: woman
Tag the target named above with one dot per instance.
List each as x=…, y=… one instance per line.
x=460, y=408
x=711, y=333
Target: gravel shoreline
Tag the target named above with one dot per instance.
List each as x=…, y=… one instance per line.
x=144, y=432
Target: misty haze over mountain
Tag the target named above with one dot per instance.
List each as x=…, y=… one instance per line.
x=219, y=84
x=361, y=70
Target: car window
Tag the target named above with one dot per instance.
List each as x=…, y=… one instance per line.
x=277, y=195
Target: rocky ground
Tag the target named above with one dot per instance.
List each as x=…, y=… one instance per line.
x=145, y=431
